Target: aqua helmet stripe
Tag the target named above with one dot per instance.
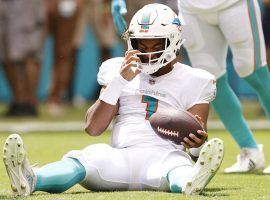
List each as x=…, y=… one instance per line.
x=146, y=20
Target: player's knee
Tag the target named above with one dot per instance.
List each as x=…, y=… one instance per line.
x=243, y=67
x=243, y=61
x=209, y=63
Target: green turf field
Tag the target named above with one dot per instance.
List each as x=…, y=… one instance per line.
x=43, y=148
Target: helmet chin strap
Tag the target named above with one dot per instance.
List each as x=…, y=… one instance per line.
x=146, y=69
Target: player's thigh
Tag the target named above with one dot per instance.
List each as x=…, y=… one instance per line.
x=106, y=167
x=242, y=28
x=150, y=166
x=205, y=44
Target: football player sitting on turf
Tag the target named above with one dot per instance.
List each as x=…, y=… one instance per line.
x=146, y=80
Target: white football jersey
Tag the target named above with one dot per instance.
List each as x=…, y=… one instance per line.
x=203, y=6
x=181, y=88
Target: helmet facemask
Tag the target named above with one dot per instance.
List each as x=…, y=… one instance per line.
x=157, y=59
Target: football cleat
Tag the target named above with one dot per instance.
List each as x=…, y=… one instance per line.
x=205, y=168
x=249, y=160
x=266, y=170
x=21, y=175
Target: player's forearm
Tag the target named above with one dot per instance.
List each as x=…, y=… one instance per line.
x=99, y=116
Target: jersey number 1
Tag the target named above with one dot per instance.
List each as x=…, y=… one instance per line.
x=151, y=105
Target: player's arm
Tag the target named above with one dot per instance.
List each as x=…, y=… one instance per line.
x=206, y=92
x=200, y=111
x=100, y=115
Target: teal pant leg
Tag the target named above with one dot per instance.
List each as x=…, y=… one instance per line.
x=228, y=108
x=178, y=177
x=59, y=176
x=260, y=82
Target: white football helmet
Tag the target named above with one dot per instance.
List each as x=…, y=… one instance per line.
x=151, y=22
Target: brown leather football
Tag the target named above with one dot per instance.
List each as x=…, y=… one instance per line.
x=175, y=125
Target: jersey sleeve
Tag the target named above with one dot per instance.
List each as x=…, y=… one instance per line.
x=206, y=90
x=108, y=70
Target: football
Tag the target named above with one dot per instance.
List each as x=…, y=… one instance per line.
x=175, y=125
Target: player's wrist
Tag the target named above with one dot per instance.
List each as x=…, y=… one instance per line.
x=113, y=90
x=195, y=151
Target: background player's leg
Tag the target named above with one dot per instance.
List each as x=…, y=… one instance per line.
x=248, y=51
x=248, y=47
x=211, y=56
x=228, y=108
x=260, y=82
x=59, y=176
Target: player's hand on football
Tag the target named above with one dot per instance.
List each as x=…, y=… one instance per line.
x=200, y=120
x=131, y=65
x=196, y=141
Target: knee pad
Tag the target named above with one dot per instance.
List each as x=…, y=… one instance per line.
x=243, y=61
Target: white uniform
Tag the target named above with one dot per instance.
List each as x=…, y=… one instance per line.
x=138, y=158
x=211, y=25
x=200, y=6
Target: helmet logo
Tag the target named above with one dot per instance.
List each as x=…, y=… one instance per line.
x=177, y=22
x=145, y=21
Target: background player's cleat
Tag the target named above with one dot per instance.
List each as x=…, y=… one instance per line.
x=21, y=175
x=267, y=170
x=248, y=160
x=205, y=168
